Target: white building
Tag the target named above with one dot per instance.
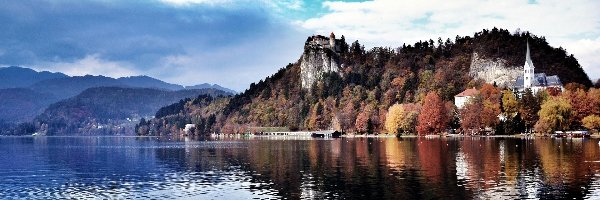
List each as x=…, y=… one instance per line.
x=533, y=81
x=462, y=98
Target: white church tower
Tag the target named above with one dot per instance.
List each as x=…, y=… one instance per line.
x=528, y=69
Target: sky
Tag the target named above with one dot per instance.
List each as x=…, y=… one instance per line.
x=234, y=43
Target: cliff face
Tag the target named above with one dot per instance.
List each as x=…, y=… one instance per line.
x=315, y=61
x=494, y=71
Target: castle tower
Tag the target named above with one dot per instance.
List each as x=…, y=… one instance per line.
x=528, y=70
x=332, y=41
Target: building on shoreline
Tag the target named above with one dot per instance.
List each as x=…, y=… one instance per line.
x=462, y=98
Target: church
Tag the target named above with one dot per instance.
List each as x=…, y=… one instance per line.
x=535, y=82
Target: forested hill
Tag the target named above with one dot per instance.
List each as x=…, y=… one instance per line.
x=356, y=95
x=109, y=110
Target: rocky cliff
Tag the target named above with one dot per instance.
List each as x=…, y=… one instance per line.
x=315, y=61
x=494, y=70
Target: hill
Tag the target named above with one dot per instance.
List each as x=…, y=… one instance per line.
x=214, y=86
x=336, y=85
x=18, y=77
x=109, y=110
x=22, y=104
x=26, y=93
x=149, y=82
x=68, y=87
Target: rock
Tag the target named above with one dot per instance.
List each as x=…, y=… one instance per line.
x=315, y=61
x=494, y=71
x=320, y=56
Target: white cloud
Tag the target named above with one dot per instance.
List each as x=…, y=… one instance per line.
x=391, y=23
x=590, y=50
x=92, y=65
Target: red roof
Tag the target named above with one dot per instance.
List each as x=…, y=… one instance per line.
x=468, y=92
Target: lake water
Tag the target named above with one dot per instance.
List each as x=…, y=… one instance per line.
x=345, y=168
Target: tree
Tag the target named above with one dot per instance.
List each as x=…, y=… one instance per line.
x=489, y=114
x=490, y=93
x=529, y=108
x=363, y=122
x=402, y=118
x=582, y=106
x=394, y=118
x=432, y=119
x=470, y=116
x=592, y=122
x=509, y=102
x=554, y=114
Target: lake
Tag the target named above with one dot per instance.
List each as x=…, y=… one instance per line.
x=265, y=168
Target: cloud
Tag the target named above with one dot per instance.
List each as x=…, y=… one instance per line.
x=91, y=65
x=391, y=23
x=588, y=52
x=144, y=37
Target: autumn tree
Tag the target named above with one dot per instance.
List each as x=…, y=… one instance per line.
x=581, y=106
x=363, y=122
x=402, y=118
x=509, y=102
x=470, y=116
x=490, y=93
x=394, y=118
x=529, y=107
x=512, y=118
x=593, y=96
x=432, y=119
x=554, y=114
x=592, y=122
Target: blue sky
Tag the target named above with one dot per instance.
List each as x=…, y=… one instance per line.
x=234, y=43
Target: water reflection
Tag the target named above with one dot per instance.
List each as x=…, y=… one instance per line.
x=359, y=168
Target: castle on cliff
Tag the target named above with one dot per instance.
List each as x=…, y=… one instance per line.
x=535, y=82
x=321, y=55
x=320, y=41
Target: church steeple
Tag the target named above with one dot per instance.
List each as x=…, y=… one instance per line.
x=528, y=56
x=528, y=69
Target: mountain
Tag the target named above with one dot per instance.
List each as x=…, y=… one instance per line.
x=207, y=85
x=68, y=87
x=149, y=82
x=25, y=93
x=18, y=77
x=109, y=110
x=22, y=104
x=336, y=85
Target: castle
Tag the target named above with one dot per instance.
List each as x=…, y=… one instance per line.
x=320, y=41
x=535, y=82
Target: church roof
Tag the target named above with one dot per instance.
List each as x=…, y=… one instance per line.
x=468, y=92
x=540, y=79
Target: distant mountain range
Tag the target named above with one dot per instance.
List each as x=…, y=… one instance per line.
x=18, y=77
x=110, y=110
x=26, y=93
x=63, y=86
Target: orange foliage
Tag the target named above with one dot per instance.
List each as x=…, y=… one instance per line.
x=433, y=118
